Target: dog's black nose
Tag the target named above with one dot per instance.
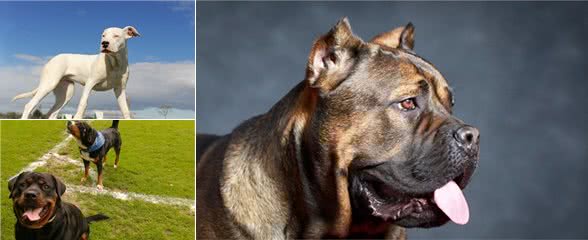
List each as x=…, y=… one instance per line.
x=468, y=136
x=31, y=195
x=104, y=44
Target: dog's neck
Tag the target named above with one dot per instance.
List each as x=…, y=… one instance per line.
x=117, y=59
x=282, y=156
x=262, y=163
x=285, y=127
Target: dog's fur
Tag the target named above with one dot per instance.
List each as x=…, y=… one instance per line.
x=344, y=154
x=59, y=220
x=105, y=71
x=85, y=136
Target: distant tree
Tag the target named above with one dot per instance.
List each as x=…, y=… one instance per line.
x=164, y=110
x=10, y=115
x=13, y=115
x=37, y=114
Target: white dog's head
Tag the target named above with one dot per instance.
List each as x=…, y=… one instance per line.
x=114, y=39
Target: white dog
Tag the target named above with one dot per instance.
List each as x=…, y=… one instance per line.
x=105, y=71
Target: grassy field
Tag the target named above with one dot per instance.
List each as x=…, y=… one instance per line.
x=157, y=158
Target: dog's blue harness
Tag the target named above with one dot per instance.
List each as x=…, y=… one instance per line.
x=98, y=143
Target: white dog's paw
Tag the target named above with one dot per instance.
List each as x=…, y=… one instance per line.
x=115, y=166
x=100, y=187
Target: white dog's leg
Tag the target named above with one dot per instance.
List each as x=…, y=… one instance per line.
x=44, y=88
x=50, y=76
x=84, y=100
x=33, y=103
x=63, y=93
x=121, y=97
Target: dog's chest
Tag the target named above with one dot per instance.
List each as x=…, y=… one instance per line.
x=86, y=155
x=114, y=79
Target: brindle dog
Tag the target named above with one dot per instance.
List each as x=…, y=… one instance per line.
x=40, y=212
x=365, y=146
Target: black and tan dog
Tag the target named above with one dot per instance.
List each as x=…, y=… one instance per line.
x=94, y=145
x=40, y=212
x=363, y=147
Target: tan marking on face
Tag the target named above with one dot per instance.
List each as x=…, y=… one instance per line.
x=74, y=130
x=406, y=91
x=42, y=200
x=437, y=82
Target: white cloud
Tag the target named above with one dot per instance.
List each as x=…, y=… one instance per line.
x=31, y=58
x=151, y=84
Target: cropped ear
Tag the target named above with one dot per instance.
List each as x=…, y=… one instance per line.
x=332, y=57
x=130, y=32
x=401, y=37
x=13, y=181
x=59, y=186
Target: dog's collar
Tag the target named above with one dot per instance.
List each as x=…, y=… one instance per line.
x=52, y=218
x=98, y=143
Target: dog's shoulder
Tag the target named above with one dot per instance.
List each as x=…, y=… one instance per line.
x=111, y=133
x=203, y=142
x=71, y=210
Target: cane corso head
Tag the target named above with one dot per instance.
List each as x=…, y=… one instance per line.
x=35, y=197
x=384, y=119
x=114, y=39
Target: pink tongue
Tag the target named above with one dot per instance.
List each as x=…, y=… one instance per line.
x=33, y=214
x=451, y=201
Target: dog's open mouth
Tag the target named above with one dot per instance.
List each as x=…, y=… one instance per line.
x=31, y=216
x=447, y=200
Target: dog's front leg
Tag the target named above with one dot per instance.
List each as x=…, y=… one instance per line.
x=86, y=170
x=99, y=168
x=121, y=97
x=84, y=100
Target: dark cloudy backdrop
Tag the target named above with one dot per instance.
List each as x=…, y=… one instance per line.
x=519, y=71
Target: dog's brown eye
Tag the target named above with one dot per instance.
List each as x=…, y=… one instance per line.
x=407, y=104
x=116, y=36
x=22, y=185
x=45, y=187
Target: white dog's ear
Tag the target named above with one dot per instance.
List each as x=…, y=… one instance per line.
x=130, y=32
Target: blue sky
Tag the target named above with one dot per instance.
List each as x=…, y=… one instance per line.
x=49, y=28
x=161, y=59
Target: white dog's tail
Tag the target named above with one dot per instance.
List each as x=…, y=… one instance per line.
x=25, y=95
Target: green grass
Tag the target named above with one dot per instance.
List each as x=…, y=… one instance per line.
x=22, y=142
x=25, y=141
x=157, y=158
x=138, y=220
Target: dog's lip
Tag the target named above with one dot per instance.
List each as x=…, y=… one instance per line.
x=43, y=214
x=105, y=51
x=406, y=204
x=393, y=211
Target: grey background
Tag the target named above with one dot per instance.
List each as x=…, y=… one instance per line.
x=519, y=71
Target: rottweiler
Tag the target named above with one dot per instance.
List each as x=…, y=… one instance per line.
x=94, y=145
x=40, y=212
